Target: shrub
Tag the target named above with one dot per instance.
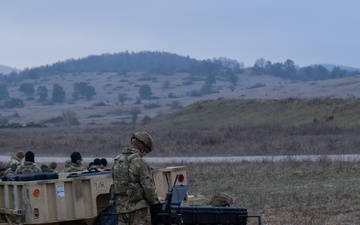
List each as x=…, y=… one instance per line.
x=69, y=118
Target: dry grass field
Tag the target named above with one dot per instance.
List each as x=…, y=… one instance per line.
x=288, y=192
x=277, y=118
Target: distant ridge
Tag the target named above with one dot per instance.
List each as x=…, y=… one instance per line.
x=348, y=68
x=7, y=70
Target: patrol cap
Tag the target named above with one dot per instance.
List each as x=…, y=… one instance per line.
x=75, y=156
x=103, y=162
x=29, y=156
x=97, y=162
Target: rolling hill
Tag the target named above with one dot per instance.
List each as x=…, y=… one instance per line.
x=105, y=107
x=173, y=82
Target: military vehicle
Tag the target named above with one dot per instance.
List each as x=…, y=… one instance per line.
x=83, y=198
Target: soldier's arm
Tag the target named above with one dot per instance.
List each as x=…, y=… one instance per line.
x=147, y=183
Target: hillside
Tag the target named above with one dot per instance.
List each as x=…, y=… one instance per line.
x=7, y=69
x=284, y=112
x=105, y=107
x=137, y=87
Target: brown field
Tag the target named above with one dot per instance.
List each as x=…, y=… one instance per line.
x=288, y=192
x=275, y=119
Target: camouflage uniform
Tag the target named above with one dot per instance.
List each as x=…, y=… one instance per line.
x=49, y=168
x=73, y=167
x=134, y=187
x=2, y=169
x=15, y=161
x=95, y=166
x=28, y=167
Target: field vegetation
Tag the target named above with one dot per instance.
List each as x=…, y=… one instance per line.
x=286, y=192
x=212, y=128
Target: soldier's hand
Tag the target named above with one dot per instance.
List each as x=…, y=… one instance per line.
x=161, y=199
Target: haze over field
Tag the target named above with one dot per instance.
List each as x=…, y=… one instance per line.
x=40, y=32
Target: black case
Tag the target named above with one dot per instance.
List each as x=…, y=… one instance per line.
x=88, y=173
x=197, y=214
x=31, y=176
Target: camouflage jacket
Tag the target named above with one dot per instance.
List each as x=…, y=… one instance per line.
x=2, y=169
x=134, y=184
x=28, y=167
x=73, y=167
x=94, y=168
x=14, y=163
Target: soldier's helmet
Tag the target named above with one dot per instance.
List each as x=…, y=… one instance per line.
x=20, y=154
x=145, y=138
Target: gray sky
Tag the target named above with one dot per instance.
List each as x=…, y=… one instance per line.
x=40, y=32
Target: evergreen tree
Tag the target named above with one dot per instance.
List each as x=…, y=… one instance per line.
x=27, y=88
x=122, y=98
x=145, y=91
x=58, y=94
x=42, y=91
x=83, y=89
x=14, y=103
x=4, y=93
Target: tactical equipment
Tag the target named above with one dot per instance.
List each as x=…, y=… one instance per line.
x=83, y=198
x=45, y=168
x=173, y=212
x=221, y=199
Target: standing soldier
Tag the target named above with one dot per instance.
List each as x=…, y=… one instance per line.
x=75, y=164
x=134, y=185
x=29, y=166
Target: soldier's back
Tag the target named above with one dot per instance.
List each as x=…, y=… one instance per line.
x=28, y=168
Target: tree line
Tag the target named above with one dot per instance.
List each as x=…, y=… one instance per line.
x=81, y=89
x=122, y=63
x=155, y=62
x=289, y=70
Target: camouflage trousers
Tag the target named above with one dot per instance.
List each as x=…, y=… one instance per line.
x=138, y=217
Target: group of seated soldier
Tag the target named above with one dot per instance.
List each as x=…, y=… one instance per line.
x=98, y=164
x=16, y=165
x=75, y=164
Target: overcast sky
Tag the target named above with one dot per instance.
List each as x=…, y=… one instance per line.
x=40, y=32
